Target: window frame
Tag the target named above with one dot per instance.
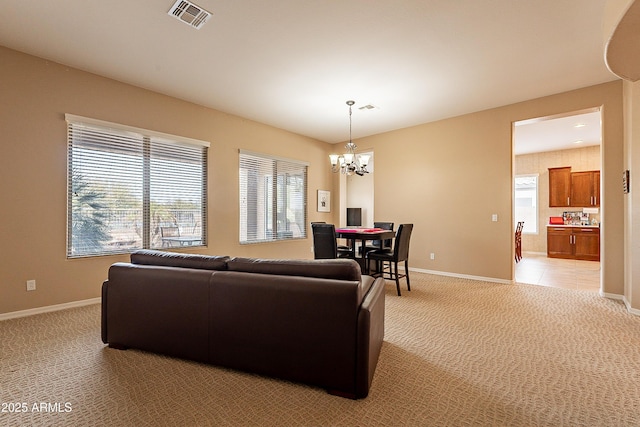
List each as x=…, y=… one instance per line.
x=265, y=208
x=527, y=230
x=150, y=150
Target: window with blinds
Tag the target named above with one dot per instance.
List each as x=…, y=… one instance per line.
x=526, y=202
x=273, y=198
x=130, y=189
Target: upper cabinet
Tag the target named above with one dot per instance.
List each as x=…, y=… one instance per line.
x=585, y=189
x=559, y=187
x=573, y=189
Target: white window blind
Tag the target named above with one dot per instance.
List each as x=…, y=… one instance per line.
x=526, y=202
x=130, y=188
x=273, y=198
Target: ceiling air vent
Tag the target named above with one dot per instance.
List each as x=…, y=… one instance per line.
x=189, y=13
x=368, y=107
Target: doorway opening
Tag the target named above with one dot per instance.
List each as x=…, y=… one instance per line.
x=359, y=191
x=571, y=140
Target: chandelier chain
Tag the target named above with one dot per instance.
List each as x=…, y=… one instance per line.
x=350, y=139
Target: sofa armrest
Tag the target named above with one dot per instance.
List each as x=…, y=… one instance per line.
x=103, y=329
x=370, y=336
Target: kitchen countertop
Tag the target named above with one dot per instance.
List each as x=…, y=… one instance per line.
x=573, y=225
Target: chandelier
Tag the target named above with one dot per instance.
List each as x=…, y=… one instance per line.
x=348, y=163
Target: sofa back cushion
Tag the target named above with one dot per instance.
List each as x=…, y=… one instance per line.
x=174, y=259
x=298, y=328
x=340, y=269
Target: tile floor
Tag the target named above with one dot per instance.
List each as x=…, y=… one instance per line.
x=537, y=269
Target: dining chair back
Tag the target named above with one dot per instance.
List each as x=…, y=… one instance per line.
x=325, y=245
x=400, y=253
x=380, y=244
x=385, y=244
x=518, y=240
x=171, y=231
x=403, y=237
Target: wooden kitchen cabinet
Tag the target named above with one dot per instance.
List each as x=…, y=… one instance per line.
x=559, y=187
x=559, y=242
x=586, y=243
x=573, y=189
x=574, y=243
x=585, y=189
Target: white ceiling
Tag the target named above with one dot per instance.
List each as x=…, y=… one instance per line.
x=294, y=63
x=582, y=129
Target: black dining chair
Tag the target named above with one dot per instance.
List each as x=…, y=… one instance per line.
x=380, y=244
x=399, y=253
x=325, y=245
x=341, y=248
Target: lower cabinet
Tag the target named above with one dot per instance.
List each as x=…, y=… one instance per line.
x=574, y=243
x=586, y=242
x=560, y=242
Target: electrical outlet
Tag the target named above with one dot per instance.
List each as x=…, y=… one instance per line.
x=494, y=217
x=433, y=256
x=31, y=285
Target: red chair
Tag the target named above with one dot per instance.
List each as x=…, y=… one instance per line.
x=518, y=237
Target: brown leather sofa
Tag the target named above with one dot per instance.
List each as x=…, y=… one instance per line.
x=319, y=322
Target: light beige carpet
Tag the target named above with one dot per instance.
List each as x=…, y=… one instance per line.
x=456, y=353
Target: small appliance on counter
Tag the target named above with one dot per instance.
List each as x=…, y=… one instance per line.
x=573, y=218
x=556, y=220
x=576, y=218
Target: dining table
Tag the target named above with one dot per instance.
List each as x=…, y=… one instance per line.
x=353, y=234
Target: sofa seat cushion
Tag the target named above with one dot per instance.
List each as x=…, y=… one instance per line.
x=339, y=269
x=174, y=259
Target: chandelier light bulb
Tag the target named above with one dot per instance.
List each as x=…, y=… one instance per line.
x=348, y=163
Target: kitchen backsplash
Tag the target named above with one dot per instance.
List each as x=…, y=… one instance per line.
x=581, y=217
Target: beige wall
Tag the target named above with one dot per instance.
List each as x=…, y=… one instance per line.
x=35, y=94
x=632, y=200
x=449, y=177
x=580, y=159
x=614, y=11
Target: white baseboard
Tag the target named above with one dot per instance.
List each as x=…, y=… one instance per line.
x=613, y=296
x=622, y=298
x=462, y=276
x=48, y=308
x=628, y=305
